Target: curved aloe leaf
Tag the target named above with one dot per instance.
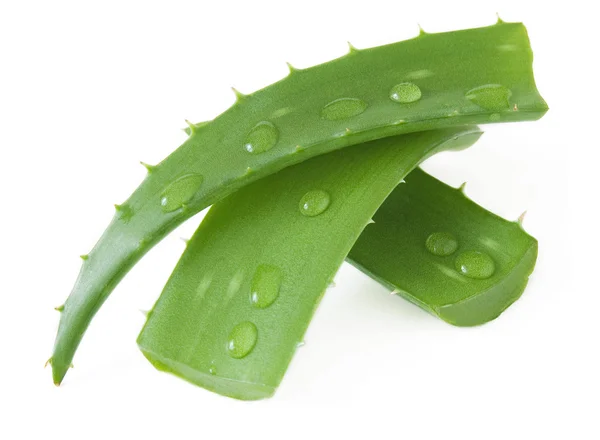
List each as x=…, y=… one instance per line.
x=245, y=289
x=436, y=248
x=430, y=82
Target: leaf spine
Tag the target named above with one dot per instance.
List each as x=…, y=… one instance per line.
x=149, y=168
x=192, y=127
x=239, y=96
x=352, y=49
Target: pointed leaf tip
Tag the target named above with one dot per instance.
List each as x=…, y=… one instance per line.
x=462, y=187
x=352, y=48
x=521, y=218
x=84, y=257
x=60, y=308
x=498, y=19
x=48, y=362
x=421, y=30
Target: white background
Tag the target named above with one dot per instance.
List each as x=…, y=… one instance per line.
x=87, y=89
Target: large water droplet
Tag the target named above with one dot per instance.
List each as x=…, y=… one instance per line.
x=180, y=192
x=242, y=339
x=265, y=285
x=405, y=93
x=343, y=108
x=490, y=97
x=261, y=138
x=474, y=264
x=314, y=202
x=441, y=243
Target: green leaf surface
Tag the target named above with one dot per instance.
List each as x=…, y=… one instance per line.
x=465, y=77
x=433, y=246
x=283, y=238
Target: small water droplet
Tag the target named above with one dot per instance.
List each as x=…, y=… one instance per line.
x=242, y=339
x=261, y=138
x=474, y=264
x=441, y=243
x=343, y=108
x=265, y=286
x=490, y=97
x=176, y=194
x=314, y=202
x=212, y=369
x=405, y=93
x=300, y=344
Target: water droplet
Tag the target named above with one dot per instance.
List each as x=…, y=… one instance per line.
x=474, y=264
x=242, y=339
x=212, y=369
x=265, y=286
x=490, y=97
x=261, y=138
x=180, y=192
x=405, y=93
x=441, y=243
x=314, y=202
x=343, y=108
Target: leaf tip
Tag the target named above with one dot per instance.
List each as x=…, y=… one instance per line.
x=60, y=308
x=84, y=257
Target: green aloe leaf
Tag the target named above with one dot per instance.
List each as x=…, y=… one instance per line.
x=247, y=285
x=433, y=246
x=430, y=82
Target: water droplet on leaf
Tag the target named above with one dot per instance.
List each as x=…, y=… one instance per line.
x=441, y=243
x=314, y=203
x=180, y=192
x=343, y=108
x=405, y=93
x=490, y=97
x=265, y=285
x=261, y=138
x=242, y=339
x=474, y=264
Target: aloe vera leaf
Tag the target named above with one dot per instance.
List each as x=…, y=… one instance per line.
x=245, y=289
x=464, y=77
x=426, y=232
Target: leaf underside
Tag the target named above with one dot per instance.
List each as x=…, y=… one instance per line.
x=300, y=117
